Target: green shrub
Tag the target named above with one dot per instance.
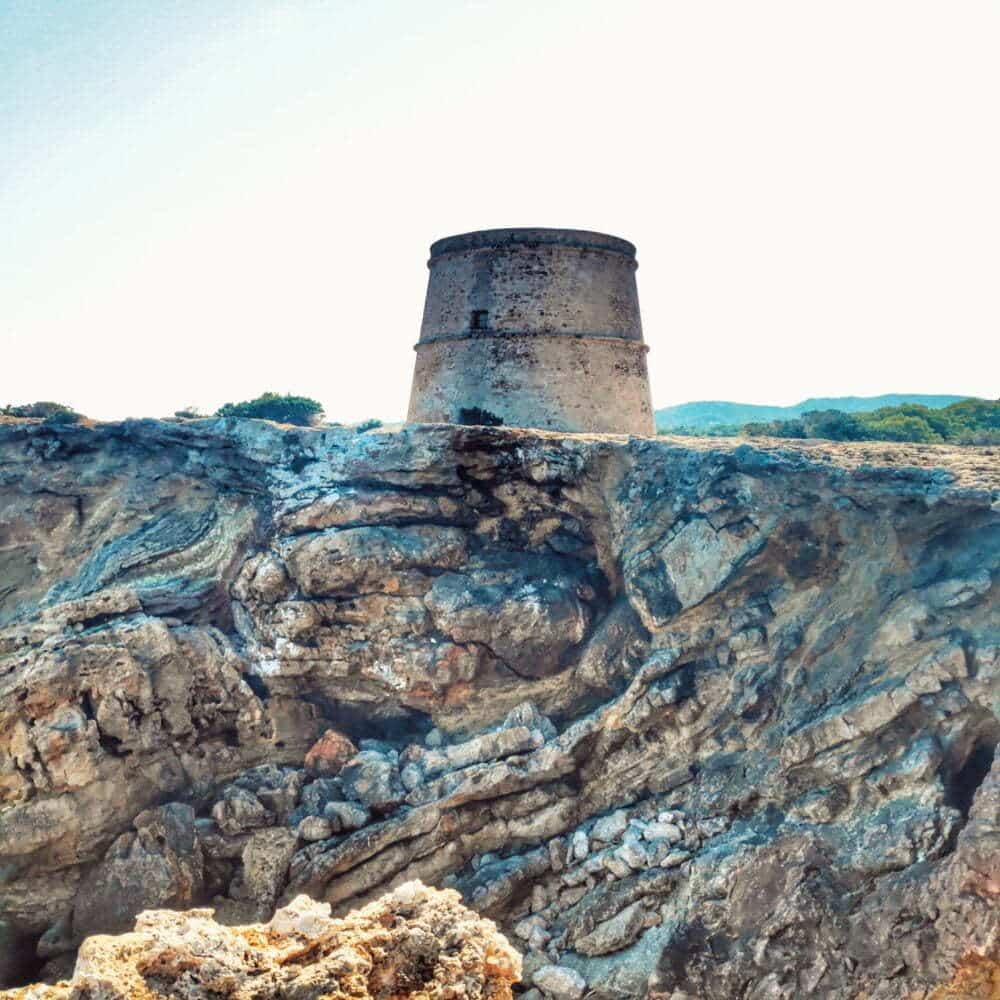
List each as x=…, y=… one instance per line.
x=283, y=409
x=833, y=425
x=903, y=427
x=985, y=436
x=718, y=430
x=776, y=428
x=368, y=425
x=189, y=413
x=970, y=421
x=63, y=417
x=44, y=411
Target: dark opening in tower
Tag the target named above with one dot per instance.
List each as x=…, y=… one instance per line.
x=480, y=319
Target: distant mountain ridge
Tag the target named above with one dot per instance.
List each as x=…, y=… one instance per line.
x=720, y=413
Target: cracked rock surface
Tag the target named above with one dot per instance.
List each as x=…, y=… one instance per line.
x=691, y=719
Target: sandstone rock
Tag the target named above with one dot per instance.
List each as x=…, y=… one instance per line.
x=674, y=858
x=314, y=798
x=504, y=742
x=346, y=815
x=538, y=938
x=955, y=592
x=695, y=561
x=633, y=854
x=347, y=506
x=616, y=866
x=276, y=788
x=557, y=853
x=527, y=716
x=265, y=580
x=411, y=776
x=663, y=831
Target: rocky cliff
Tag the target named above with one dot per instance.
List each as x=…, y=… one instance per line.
x=697, y=719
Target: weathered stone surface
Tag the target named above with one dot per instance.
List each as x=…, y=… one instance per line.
x=528, y=614
x=373, y=780
x=415, y=941
x=361, y=560
x=158, y=865
x=266, y=858
x=729, y=711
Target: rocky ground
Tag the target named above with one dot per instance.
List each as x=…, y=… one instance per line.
x=686, y=718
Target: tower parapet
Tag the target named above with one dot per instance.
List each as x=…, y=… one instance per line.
x=533, y=328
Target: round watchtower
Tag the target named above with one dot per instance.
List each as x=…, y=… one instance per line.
x=533, y=328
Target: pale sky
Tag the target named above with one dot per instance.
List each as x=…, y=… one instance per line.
x=201, y=200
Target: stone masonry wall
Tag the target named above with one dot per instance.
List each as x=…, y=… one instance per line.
x=538, y=327
x=558, y=383
x=533, y=289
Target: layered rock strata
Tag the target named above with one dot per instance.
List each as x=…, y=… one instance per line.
x=685, y=719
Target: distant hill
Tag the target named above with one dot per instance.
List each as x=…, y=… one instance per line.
x=714, y=414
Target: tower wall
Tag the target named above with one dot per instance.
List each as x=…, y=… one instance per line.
x=538, y=327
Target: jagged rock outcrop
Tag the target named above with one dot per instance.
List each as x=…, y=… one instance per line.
x=415, y=942
x=686, y=719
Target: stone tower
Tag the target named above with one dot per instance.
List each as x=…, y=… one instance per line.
x=533, y=328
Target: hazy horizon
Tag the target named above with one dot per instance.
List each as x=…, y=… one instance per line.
x=204, y=201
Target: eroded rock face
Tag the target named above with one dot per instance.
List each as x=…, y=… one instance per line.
x=685, y=719
x=413, y=942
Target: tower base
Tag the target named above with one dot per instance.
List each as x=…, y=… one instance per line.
x=578, y=384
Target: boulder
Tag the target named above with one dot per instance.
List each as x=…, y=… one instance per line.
x=346, y=815
x=609, y=829
x=314, y=828
x=614, y=934
x=329, y=754
x=557, y=982
x=372, y=779
x=529, y=615
x=239, y=811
